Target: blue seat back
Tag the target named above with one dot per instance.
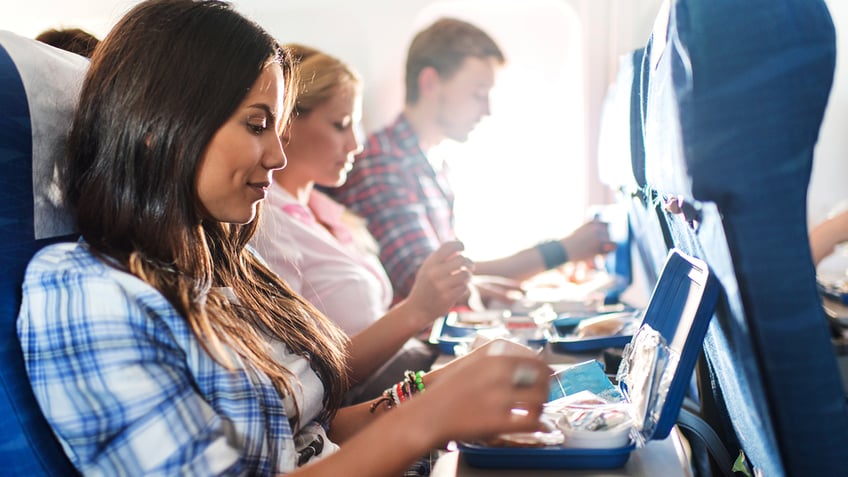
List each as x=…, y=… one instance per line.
x=733, y=94
x=38, y=89
x=619, y=153
x=652, y=239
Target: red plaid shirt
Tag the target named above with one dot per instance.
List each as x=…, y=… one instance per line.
x=408, y=205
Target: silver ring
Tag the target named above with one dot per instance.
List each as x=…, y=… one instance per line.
x=524, y=376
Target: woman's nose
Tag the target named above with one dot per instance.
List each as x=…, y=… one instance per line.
x=275, y=158
x=358, y=138
x=355, y=146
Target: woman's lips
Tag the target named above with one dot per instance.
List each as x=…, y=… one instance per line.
x=260, y=187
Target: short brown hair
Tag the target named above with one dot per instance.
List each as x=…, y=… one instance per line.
x=444, y=45
x=74, y=40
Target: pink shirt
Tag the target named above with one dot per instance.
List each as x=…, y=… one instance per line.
x=346, y=283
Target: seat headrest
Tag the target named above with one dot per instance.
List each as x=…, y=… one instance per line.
x=615, y=135
x=51, y=79
x=39, y=86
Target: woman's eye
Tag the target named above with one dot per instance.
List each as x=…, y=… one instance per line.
x=342, y=125
x=257, y=125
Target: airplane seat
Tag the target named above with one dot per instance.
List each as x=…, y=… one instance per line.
x=614, y=172
x=653, y=239
x=620, y=160
x=734, y=95
x=39, y=86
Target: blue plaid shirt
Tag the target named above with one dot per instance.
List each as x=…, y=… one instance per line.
x=129, y=390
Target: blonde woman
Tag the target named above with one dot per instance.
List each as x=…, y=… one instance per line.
x=327, y=255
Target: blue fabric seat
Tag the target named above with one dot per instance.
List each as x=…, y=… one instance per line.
x=732, y=96
x=38, y=89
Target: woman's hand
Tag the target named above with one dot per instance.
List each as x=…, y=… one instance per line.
x=493, y=390
x=441, y=282
x=496, y=389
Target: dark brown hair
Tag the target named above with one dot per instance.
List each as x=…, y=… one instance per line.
x=444, y=45
x=160, y=85
x=74, y=40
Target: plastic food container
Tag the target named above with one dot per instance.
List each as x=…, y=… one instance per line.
x=605, y=439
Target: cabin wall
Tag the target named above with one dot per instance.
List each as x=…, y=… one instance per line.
x=373, y=35
x=374, y=40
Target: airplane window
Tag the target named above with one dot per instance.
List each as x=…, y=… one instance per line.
x=521, y=175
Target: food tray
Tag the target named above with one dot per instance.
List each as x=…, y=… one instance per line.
x=544, y=457
x=680, y=309
x=563, y=341
x=461, y=328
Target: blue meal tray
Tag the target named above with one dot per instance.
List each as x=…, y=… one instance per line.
x=566, y=322
x=563, y=341
x=544, y=457
x=680, y=309
x=446, y=337
x=564, y=344
x=587, y=345
x=447, y=333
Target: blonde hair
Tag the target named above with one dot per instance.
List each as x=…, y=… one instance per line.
x=319, y=76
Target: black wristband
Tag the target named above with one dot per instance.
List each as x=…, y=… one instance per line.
x=553, y=253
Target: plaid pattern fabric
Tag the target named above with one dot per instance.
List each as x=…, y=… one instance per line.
x=408, y=205
x=126, y=386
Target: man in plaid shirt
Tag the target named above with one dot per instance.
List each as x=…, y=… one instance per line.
x=406, y=199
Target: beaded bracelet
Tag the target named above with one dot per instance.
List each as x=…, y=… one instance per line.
x=412, y=383
x=395, y=395
x=416, y=381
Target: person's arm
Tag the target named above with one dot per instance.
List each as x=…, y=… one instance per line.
x=587, y=241
x=352, y=419
x=441, y=282
x=472, y=398
x=825, y=236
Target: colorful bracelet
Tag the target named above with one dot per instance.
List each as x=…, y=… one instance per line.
x=418, y=383
x=415, y=380
x=395, y=396
x=400, y=392
x=411, y=384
